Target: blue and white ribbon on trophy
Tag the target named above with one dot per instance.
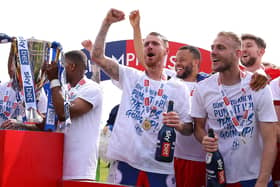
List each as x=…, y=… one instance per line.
x=27, y=79
x=63, y=126
x=56, y=49
x=51, y=116
x=88, y=72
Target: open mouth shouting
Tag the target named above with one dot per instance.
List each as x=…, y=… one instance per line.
x=150, y=54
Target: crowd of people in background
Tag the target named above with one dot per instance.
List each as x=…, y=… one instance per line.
x=239, y=101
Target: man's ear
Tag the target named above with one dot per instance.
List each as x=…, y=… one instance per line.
x=238, y=53
x=73, y=67
x=196, y=62
x=166, y=51
x=262, y=51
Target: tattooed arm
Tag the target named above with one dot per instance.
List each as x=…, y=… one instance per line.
x=98, y=56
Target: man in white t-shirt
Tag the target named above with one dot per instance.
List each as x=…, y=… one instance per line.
x=134, y=137
x=189, y=161
x=243, y=120
x=85, y=97
x=253, y=49
x=275, y=88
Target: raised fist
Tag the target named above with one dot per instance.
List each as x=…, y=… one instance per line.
x=134, y=18
x=114, y=15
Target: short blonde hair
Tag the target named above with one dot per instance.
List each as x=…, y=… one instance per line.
x=233, y=37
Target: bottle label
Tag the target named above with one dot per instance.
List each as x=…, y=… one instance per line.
x=221, y=177
x=208, y=158
x=220, y=164
x=168, y=135
x=166, y=149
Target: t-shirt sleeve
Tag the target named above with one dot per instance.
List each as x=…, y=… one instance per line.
x=117, y=84
x=265, y=108
x=197, y=108
x=42, y=102
x=275, y=89
x=92, y=94
x=183, y=106
x=127, y=76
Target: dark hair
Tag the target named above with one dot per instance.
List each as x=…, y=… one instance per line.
x=259, y=41
x=163, y=38
x=77, y=57
x=193, y=50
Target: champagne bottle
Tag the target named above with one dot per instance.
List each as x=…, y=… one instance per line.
x=166, y=141
x=215, y=170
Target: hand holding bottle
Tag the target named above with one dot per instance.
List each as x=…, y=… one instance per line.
x=171, y=119
x=166, y=140
x=210, y=144
x=215, y=169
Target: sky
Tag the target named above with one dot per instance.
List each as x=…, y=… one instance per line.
x=194, y=22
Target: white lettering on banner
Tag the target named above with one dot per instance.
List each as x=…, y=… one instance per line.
x=27, y=78
x=21, y=43
x=28, y=91
x=131, y=57
x=121, y=59
x=23, y=56
x=26, y=73
x=172, y=59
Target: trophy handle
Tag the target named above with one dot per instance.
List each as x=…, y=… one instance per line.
x=4, y=38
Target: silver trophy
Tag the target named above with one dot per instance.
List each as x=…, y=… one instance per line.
x=38, y=57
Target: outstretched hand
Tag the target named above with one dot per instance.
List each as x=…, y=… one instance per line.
x=114, y=15
x=134, y=18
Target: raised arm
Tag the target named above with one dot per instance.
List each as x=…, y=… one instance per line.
x=98, y=55
x=134, y=19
